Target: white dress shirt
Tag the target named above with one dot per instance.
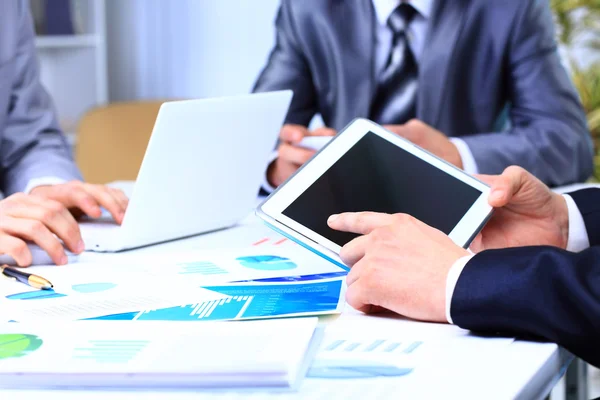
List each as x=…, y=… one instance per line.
x=417, y=32
x=578, y=240
x=42, y=181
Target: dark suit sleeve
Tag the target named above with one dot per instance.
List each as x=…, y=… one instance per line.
x=588, y=202
x=287, y=68
x=548, y=135
x=538, y=292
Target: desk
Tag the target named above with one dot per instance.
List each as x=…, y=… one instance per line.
x=524, y=370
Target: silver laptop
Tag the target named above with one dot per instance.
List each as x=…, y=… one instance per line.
x=201, y=172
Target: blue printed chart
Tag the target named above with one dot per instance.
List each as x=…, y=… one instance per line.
x=93, y=287
x=201, y=268
x=352, y=359
x=216, y=267
x=252, y=301
x=300, y=278
x=267, y=263
x=35, y=295
x=110, y=351
x=354, y=369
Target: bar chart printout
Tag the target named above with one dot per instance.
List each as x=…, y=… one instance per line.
x=110, y=351
x=250, y=301
x=351, y=358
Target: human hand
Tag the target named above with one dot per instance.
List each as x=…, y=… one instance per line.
x=32, y=218
x=290, y=156
x=86, y=198
x=428, y=138
x=527, y=213
x=399, y=264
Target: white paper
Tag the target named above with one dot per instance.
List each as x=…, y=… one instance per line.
x=204, y=267
x=88, y=291
x=154, y=354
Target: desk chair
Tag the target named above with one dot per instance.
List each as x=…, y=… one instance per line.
x=112, y=140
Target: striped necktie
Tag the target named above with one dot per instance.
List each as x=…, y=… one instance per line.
x=396, y=95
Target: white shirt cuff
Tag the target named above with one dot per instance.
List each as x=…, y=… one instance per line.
x=452, y=280
x=43, y=181
x=469, y=164
x=265, y=184
x=578, y=237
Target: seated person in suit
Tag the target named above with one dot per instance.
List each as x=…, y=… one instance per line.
x=35, y=157
x=444, y=74
x=549, y=289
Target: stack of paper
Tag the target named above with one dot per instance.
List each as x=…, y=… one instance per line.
x=157, y=355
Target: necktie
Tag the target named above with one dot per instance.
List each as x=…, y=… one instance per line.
x=395, y=98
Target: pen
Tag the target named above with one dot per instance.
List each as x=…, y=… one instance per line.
x=32, y=280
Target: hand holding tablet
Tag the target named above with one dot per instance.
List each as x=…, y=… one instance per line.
x=315, y=143
x=366, y=168
x=297, y=145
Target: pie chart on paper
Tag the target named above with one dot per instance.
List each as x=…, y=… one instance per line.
x=18, y=345
x=35, y=295
x=267, y=263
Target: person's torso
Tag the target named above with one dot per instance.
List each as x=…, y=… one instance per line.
x=9, y=32
x=463, y=69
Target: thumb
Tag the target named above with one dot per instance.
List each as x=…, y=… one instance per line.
x=506, y=186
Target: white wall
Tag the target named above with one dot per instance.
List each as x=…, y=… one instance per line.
x=186, y=48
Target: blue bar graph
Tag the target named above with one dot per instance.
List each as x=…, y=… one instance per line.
x=335, y=345
x=300, y=278
x=273, y=300
x=352, y=347
x=110, y=351
x=201, y=268
x=412, y=347
x=392, y=347
x=208, y=311
x=251, y=301
x=375, y=345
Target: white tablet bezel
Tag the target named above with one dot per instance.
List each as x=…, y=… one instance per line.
x=271, y=210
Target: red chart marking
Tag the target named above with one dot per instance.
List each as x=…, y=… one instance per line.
x=280, y=241
x=260, y=242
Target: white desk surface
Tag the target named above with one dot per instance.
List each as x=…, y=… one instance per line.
x=525, y=370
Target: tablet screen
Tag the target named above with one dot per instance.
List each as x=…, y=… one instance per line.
x=376, y=175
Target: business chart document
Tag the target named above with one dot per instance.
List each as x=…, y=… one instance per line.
x=123, y=354
x=254, y=300
x=202, y=267
x=88, y=291
x=210, y=285
x=424, y=361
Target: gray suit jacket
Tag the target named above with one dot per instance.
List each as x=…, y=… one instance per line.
x=31, y=143
x=481, y=59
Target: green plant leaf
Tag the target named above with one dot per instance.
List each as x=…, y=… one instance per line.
x=594, y=122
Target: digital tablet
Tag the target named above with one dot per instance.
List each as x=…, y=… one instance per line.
x=367, y=168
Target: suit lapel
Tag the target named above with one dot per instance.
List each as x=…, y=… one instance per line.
x=358, y=49
x=444, y=29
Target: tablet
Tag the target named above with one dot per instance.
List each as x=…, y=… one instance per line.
x=367, y=168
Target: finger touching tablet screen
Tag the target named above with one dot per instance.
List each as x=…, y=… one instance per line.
x=366, y=168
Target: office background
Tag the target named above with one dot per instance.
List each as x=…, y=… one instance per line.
x=187, y=48
x=129, y=50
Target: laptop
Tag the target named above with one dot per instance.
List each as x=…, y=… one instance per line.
x=201, y=172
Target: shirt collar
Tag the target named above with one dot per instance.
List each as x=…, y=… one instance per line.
x=384, y=8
